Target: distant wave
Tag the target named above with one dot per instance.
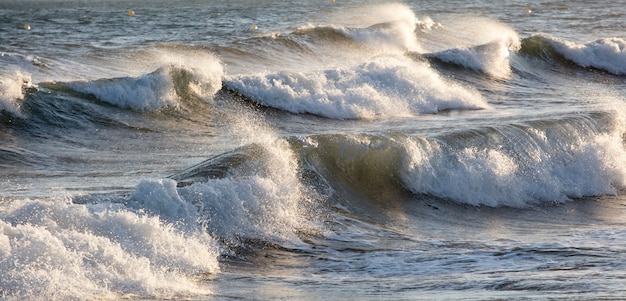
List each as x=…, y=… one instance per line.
x=491, y=58
x=387, y=27
x=348, y=38
x=386, y=87
x=606, y=54
x=489, y=44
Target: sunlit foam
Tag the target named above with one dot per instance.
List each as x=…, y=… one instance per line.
x=385, y=87
x=201, y=75
x=608, y=54
x=59, y=250
x=12, y=85
x=573, y=158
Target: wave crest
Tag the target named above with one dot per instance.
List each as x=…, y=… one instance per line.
x=491, y=58
x=391, y=87
x=12, y=86
x=59, y=250
x=481, y=44
x=163, y=88
x=519, y=165
x=388, y=27
x=607, y=54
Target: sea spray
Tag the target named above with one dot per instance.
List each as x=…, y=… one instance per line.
x=480, y=44
x=12, y=85
x=386, y=27
x=253, y=192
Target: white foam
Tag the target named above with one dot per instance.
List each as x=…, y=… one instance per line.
x=155, y=243
x=12, y=85
x=59, y=250
x=261, y=199
x=384, y=87
x=550, y=169
x=147, y=92
x=607, y=54
x=159, y=89
x=491, y=58
x=476, y=43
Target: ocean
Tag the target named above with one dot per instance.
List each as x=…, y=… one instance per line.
x=312, y=150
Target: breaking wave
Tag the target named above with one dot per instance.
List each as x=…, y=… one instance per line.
x=519, y=165
x=383, y=88
x=607, y=54
x=163, y=88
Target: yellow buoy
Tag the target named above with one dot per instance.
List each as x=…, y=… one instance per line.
x=253, y=27
x=528, y=10
x=131, y=12
x=26, y=26
x=332, y=1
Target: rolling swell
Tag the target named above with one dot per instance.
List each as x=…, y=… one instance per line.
x=532, y=163
x=354, y=167
x=324, y=33
x=49, y=107
x=539, y=46
x=266, y=194
x=517, y=165
x=52, y=111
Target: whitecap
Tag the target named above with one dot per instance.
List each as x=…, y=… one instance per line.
x=60, y=250
x=12, y=87
x=164, y=88
x=607, y=54
x=532, y=165
x=382, y=88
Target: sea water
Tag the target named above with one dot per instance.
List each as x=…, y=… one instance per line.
x=312, y=150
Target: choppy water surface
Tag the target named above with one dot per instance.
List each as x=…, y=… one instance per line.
x=219, y=150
